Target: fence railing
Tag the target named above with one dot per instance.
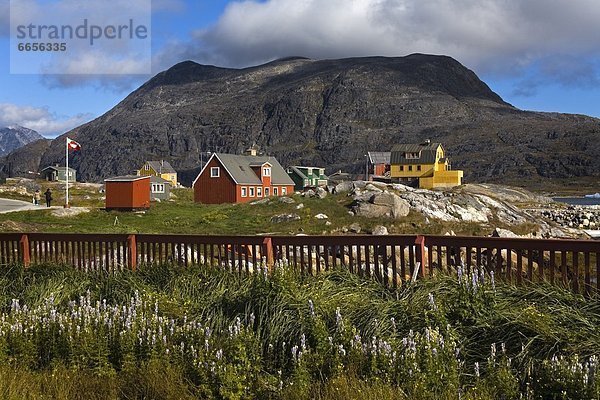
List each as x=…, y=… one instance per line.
x=389, y=259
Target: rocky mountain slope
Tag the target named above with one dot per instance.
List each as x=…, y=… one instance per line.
x=329, y=113
x=14, y=137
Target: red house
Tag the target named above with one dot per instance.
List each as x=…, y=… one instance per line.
x=230, y=178
x=379, y=162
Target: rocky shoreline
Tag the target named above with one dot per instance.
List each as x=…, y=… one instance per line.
x=582, y=217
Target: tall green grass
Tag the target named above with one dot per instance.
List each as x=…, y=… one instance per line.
x=290, y=336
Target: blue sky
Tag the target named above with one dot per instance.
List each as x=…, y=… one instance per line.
x=538, y=55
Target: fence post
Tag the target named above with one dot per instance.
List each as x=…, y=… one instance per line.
x=420, y=254
x=24, y=243
x=268, y=252
x=132, y=247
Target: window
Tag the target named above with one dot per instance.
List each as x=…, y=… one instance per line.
x=158, y=188
x=283, y=191
x=275, y=191
x=215, y=172
x=402, y=168
x=266, y=171
x=147, y=167
x=418, y=167
x=258, y=192
x=251, y=192
x=410, y=167
x=267, y=192
x=244, y=191
x=412, y=156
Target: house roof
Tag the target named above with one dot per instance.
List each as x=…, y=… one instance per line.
x=126, y=178
x=61, y=169
x=158, y=179
x=427, y=152
x=162, y=167
x=239, y=168
x=298, y=170
x=379, y=157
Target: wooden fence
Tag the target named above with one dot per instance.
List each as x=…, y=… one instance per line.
x=390, y=259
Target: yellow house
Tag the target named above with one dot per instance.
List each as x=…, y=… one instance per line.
x=425, y=164
x=159, y=168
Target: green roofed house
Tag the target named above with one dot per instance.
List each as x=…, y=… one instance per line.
x=304, y=177
x=56, y=173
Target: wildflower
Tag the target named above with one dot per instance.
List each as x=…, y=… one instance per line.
x=432, y=302
x=493, y=351
x=492, y=280
x=303, y=342
x=477, y=369
x=393, y=321
x=251, y=322
x=341, y=350
x=219, y=354
x=311, y=308
x=459, y=272
x=295, y=353
x=338, y=320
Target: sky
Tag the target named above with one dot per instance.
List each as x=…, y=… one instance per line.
x=540, y=55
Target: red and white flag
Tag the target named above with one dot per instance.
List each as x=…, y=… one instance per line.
x=73, y=145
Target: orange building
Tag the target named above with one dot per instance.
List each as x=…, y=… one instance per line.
x=127, y=193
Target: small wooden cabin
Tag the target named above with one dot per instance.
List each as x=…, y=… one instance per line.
x=127, y=193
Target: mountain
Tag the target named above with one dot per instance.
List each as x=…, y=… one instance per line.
x=13, y=137
x=329, y=113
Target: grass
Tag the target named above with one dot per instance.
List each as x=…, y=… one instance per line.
x=476, y=337
x=183, y=216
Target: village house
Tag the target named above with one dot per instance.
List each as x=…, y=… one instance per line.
x=160, y=189
x=230, y=178
x=161, y=169
x=127, y=193
x=58, y=174
x=379, y=163
x=424, y=165
x=307, y=177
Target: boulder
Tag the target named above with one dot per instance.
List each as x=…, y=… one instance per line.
x=321, y=193
x=321, y=216
x=380, y=230
x=285, y=218
x=359, y=184
x=300, y=206
x=287, y=200
x=355, y=228
x=262, y=201
x=343, y=187
x=504, y=233
x=372, y=188
x=309, y=193
x=399, y=207
x=370, y=210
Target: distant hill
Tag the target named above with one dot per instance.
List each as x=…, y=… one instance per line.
x=13, y=137
x=330, y=113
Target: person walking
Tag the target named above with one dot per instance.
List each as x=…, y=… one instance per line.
x=36, y=197
x=48, y=195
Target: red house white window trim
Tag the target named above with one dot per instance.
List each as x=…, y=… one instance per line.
x=244, y=191
x=215, y=172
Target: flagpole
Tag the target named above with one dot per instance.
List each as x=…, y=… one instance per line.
x=67, y=173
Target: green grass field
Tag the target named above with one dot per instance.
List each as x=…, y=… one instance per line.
x=182, y=216
x=170, y=333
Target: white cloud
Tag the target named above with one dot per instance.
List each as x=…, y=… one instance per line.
x=491, y=36
x=40, y=119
